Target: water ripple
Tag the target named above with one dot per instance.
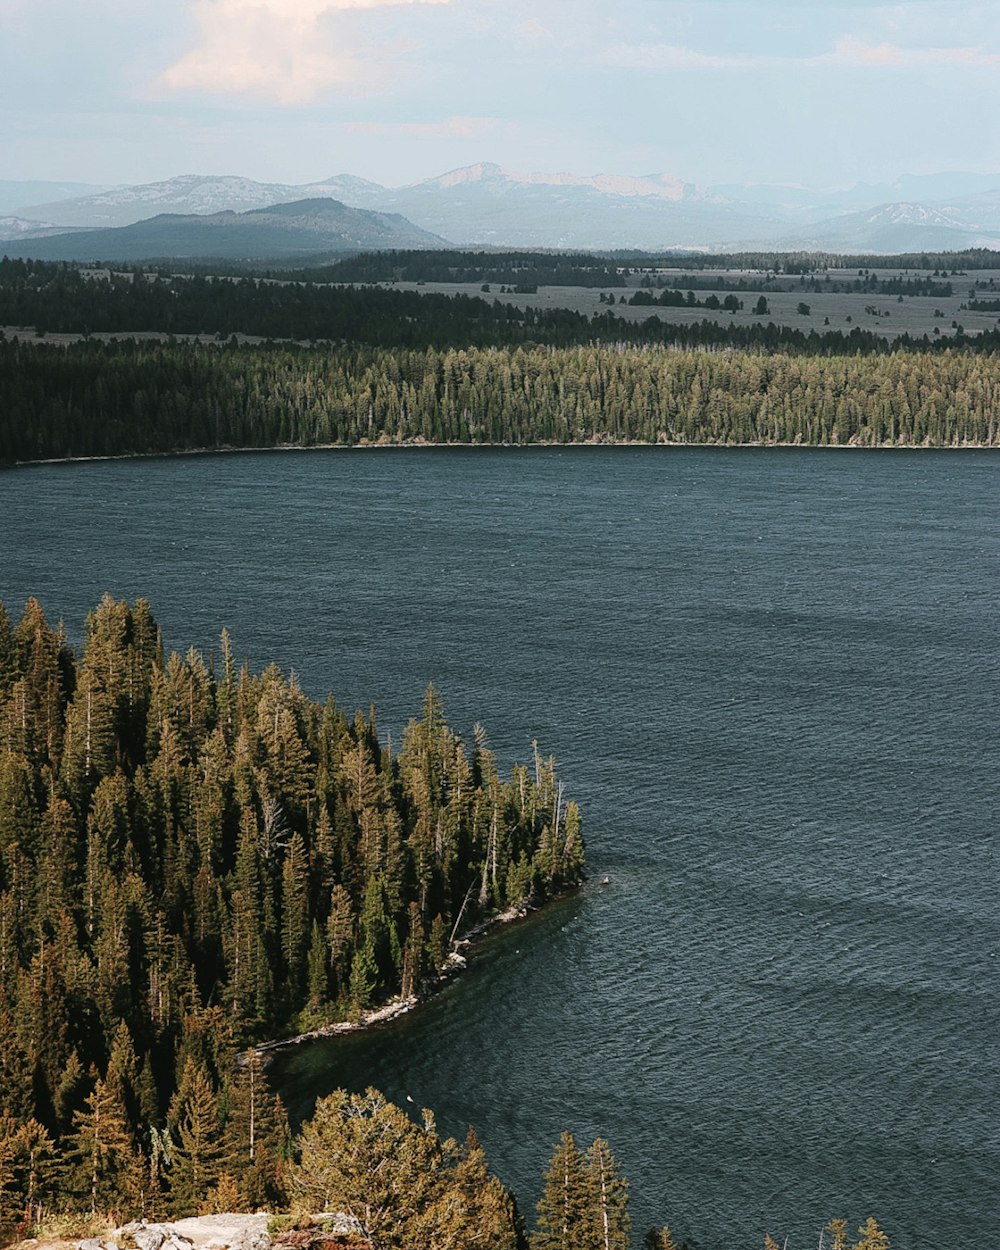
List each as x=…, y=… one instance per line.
x=771, y=680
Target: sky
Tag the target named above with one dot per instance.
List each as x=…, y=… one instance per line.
x=819, y=93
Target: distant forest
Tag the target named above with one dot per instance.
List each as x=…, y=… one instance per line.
x=194, y=857
x=501, y=265
x=60, y=298
x=590, y=270
x=836, y=283
x=947, y=263
x=94, y=398
x=522, y=268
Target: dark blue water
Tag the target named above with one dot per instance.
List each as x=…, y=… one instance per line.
x=771, y=679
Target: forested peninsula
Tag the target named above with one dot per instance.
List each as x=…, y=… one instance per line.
x=194, y=857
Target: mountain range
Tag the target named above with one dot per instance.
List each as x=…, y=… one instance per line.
x=484, y=204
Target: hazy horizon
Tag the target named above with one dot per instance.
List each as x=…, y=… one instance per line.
x=581, y=174
x=397, y=91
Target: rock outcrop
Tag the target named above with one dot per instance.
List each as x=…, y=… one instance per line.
x=323, y=1231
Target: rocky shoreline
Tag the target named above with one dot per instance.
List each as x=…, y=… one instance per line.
x=453, y=965
x=230, y=1231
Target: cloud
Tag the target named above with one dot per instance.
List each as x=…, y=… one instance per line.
x=846, y=52
x=880, y=55
x=283, y=50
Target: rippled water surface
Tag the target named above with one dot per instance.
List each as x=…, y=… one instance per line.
x=771, y=680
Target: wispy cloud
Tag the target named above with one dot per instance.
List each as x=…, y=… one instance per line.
x=879, y=55
x=848, y=52
x=284, y=50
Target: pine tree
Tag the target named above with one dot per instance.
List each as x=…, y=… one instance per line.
x=295, y=917
x=565, y=1209
x=837, y=1228
x=8, y=654
x=256, y=1136
x=414, y=955
x=43, y=666
x=478, y=1209
x=60, y=853
x=90, y=744
x=340, y=936
x=26, y=1152
x=15, y=1069
x=211, y=804
x=361, y=1155
x=102, y=1164
x=225, y=694
x=11, y=1197
x=871, y=1237
x=198, y=1153
x=288, y=765
x=19, y=822
x=317, y=1006
x=35, y=1154
x=378, y=937
x=67, y=1096
x=609, y=1192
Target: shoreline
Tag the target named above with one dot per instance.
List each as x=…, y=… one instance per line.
x=455, y=964
x=420, y=444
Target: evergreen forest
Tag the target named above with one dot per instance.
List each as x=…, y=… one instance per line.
x=193, y=858
x=523, y=268
x=97, y=399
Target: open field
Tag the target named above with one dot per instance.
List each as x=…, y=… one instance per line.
x=888, y=315
x=27, y=334
x=810, y=303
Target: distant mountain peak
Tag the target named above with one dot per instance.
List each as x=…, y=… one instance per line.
x=313, y=205
x=910, y=214
x=483, y=172
x=659, y=186
x=349, y=181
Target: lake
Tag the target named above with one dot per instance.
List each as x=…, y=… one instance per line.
x=770, y=678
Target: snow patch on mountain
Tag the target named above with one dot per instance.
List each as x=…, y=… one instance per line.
x=14, y=227
x=661, y=186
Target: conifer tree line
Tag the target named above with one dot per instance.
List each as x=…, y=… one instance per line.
x=810, y=262
x=826, y=281
x=194, y=857
x=61, y=297
x=411, y=265
x=124, y=397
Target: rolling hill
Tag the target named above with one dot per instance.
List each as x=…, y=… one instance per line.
x=277, y=231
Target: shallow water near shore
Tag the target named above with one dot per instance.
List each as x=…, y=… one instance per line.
x=770, y=678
